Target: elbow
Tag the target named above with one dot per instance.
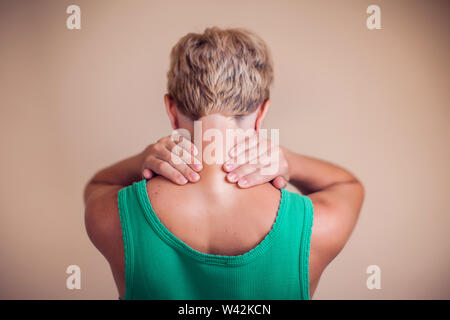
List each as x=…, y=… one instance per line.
x=360, y=192
x=86, y=193
x=359, y=187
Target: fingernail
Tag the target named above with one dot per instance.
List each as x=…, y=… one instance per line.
x=182, y=180
x=194, y=176
x=231, y=177
x=229, y=166
x=242, y=183
x=198, y=167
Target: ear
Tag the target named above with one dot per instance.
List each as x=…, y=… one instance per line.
x=172, y=111
x=261, y=114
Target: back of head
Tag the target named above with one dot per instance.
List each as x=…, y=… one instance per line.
x=226, y=71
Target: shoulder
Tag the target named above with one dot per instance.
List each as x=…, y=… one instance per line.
x=298, y=206
x=102, y=221
x=164, y=193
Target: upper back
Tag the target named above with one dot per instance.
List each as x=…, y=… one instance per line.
x=225, y=221
x=183, y=247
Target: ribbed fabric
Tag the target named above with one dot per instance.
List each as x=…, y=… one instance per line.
x=158, y=265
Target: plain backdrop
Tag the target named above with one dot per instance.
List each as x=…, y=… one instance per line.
x=373, y=101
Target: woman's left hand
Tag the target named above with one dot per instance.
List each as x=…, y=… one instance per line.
x=257, y=161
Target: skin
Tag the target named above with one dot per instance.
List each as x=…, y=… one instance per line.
x=227, y=208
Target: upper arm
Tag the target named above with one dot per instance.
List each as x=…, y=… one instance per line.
x=336, y=210
x=103, y=222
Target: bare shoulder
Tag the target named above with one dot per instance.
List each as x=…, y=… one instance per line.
x=159, y=185
x=103, y=222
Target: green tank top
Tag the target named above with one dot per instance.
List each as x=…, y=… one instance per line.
x=158, y=265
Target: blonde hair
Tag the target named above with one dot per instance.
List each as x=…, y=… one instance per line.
x=219, y=71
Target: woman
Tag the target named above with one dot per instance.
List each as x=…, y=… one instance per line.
x=204, y=224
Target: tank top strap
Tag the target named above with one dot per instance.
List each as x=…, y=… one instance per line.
x=297, y=235
x=131, y=219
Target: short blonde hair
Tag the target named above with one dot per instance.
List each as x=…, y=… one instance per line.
x=219, y=71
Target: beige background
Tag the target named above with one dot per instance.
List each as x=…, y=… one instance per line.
x=376, y=102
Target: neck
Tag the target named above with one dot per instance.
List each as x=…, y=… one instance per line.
x=214, y=135
x=213, y=180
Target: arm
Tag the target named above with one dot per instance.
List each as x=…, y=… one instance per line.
x=336, y=195
x=157, y=158
x=100, y=196
x=120, y=174
x=337, y=198
x=102, y=216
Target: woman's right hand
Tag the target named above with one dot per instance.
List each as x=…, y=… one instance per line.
x=174, y=160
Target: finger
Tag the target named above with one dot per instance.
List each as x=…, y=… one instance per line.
x=255, y=178
x=186, y=144
x=188, y=158
x=253, y=152
x=279, y=182
x=147, y=173
x=178, y=163
x=166, y=170
x=186, y=150
x=249, y=156
x=244, y=144
x=258, y=155
x=240, y=172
